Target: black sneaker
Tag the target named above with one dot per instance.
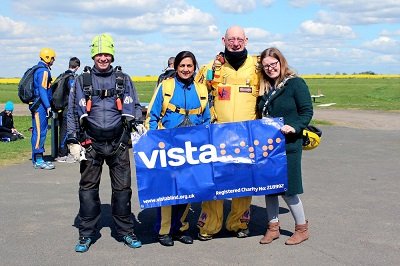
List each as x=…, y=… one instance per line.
x=182, y=237
x=166, y=240
x=242, y=233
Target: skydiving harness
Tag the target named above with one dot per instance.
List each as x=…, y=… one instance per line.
x=215, y=76
x=168, y=88
x=118, y=91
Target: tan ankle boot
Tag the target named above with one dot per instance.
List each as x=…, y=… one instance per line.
x=271, y=234
x=300, y=234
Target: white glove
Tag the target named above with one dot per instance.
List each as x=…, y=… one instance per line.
x=48, y=112
x=140, y=129
x=75, y=150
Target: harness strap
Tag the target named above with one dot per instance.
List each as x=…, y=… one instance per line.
x=182, y=111
x=104, y=93
x=119, y=78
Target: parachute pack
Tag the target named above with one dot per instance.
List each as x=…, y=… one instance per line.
x=61, y=91
x=25, y=85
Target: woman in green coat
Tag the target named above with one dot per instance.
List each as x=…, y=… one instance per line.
x=286, y=95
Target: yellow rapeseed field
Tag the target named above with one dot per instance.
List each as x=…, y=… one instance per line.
x=134, y=78
x=312, y=76
x=352, y=76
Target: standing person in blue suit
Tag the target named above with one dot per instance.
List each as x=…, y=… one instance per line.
x=177, y=102
x=40, y=108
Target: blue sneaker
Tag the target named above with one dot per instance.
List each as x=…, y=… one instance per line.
x=43, y=165
x=83, y=244
x=132, y=241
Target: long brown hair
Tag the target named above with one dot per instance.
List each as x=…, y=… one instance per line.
x=266, y=82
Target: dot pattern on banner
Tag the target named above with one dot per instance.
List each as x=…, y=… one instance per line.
x=268, y=146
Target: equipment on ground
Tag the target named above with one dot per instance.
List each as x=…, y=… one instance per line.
x=311, y=137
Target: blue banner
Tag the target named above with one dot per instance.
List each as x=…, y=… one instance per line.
x=217, y=161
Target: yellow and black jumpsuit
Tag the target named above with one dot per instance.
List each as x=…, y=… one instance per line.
x=235, y=93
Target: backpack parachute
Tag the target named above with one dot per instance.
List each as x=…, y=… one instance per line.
x=25, y=85
x=61, y=91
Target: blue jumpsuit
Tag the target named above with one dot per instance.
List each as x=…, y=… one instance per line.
x=172, y=219
x=43, y=95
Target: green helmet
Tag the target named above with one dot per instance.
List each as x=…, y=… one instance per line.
x=102, y=44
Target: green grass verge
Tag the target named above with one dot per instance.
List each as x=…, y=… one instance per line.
x=17, y=151
x=366, y=94
x=9, y=92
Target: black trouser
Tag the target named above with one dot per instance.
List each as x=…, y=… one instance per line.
x=62, y=123
x=9, y=135
x=120, y=174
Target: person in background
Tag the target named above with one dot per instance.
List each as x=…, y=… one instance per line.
x=100, y=117
x=63, y=155
x=284, y=94
x=41, y=109
x=232, y=78
x=7, y=130
x=168, y=72
x=171, y=220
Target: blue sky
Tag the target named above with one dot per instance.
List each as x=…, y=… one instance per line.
x=316, y=36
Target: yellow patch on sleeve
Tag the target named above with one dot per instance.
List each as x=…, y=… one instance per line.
x=44, y=80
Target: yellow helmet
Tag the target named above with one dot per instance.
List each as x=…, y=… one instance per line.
x=102, y=44
x=311, y=137
x=46, y=54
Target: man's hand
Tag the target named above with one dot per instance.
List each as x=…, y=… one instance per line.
x=75, y=150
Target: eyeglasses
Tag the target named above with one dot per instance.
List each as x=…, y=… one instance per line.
x=232, y=40
x=272, y=65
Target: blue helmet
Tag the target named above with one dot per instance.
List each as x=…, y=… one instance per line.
x=9, y=106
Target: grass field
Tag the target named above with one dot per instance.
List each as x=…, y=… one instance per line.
x=9, y=92
x=365, y=94
x=354, y=93
x=350, y=93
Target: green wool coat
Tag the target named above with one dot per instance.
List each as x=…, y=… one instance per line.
x=293, y=103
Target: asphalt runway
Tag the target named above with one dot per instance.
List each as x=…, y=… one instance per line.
x=351, y=200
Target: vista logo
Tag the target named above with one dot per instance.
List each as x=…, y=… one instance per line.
x=179, y=156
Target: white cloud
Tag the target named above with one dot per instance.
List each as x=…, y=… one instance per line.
x=14, y=28
x=356, y=12
x=310, y=27
x=257, y=33
x=385, y=59
x=267, y=3
x=390, y=33
x=299, y=3
x=236, y=6
x=383, y=44
x=113, y=8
